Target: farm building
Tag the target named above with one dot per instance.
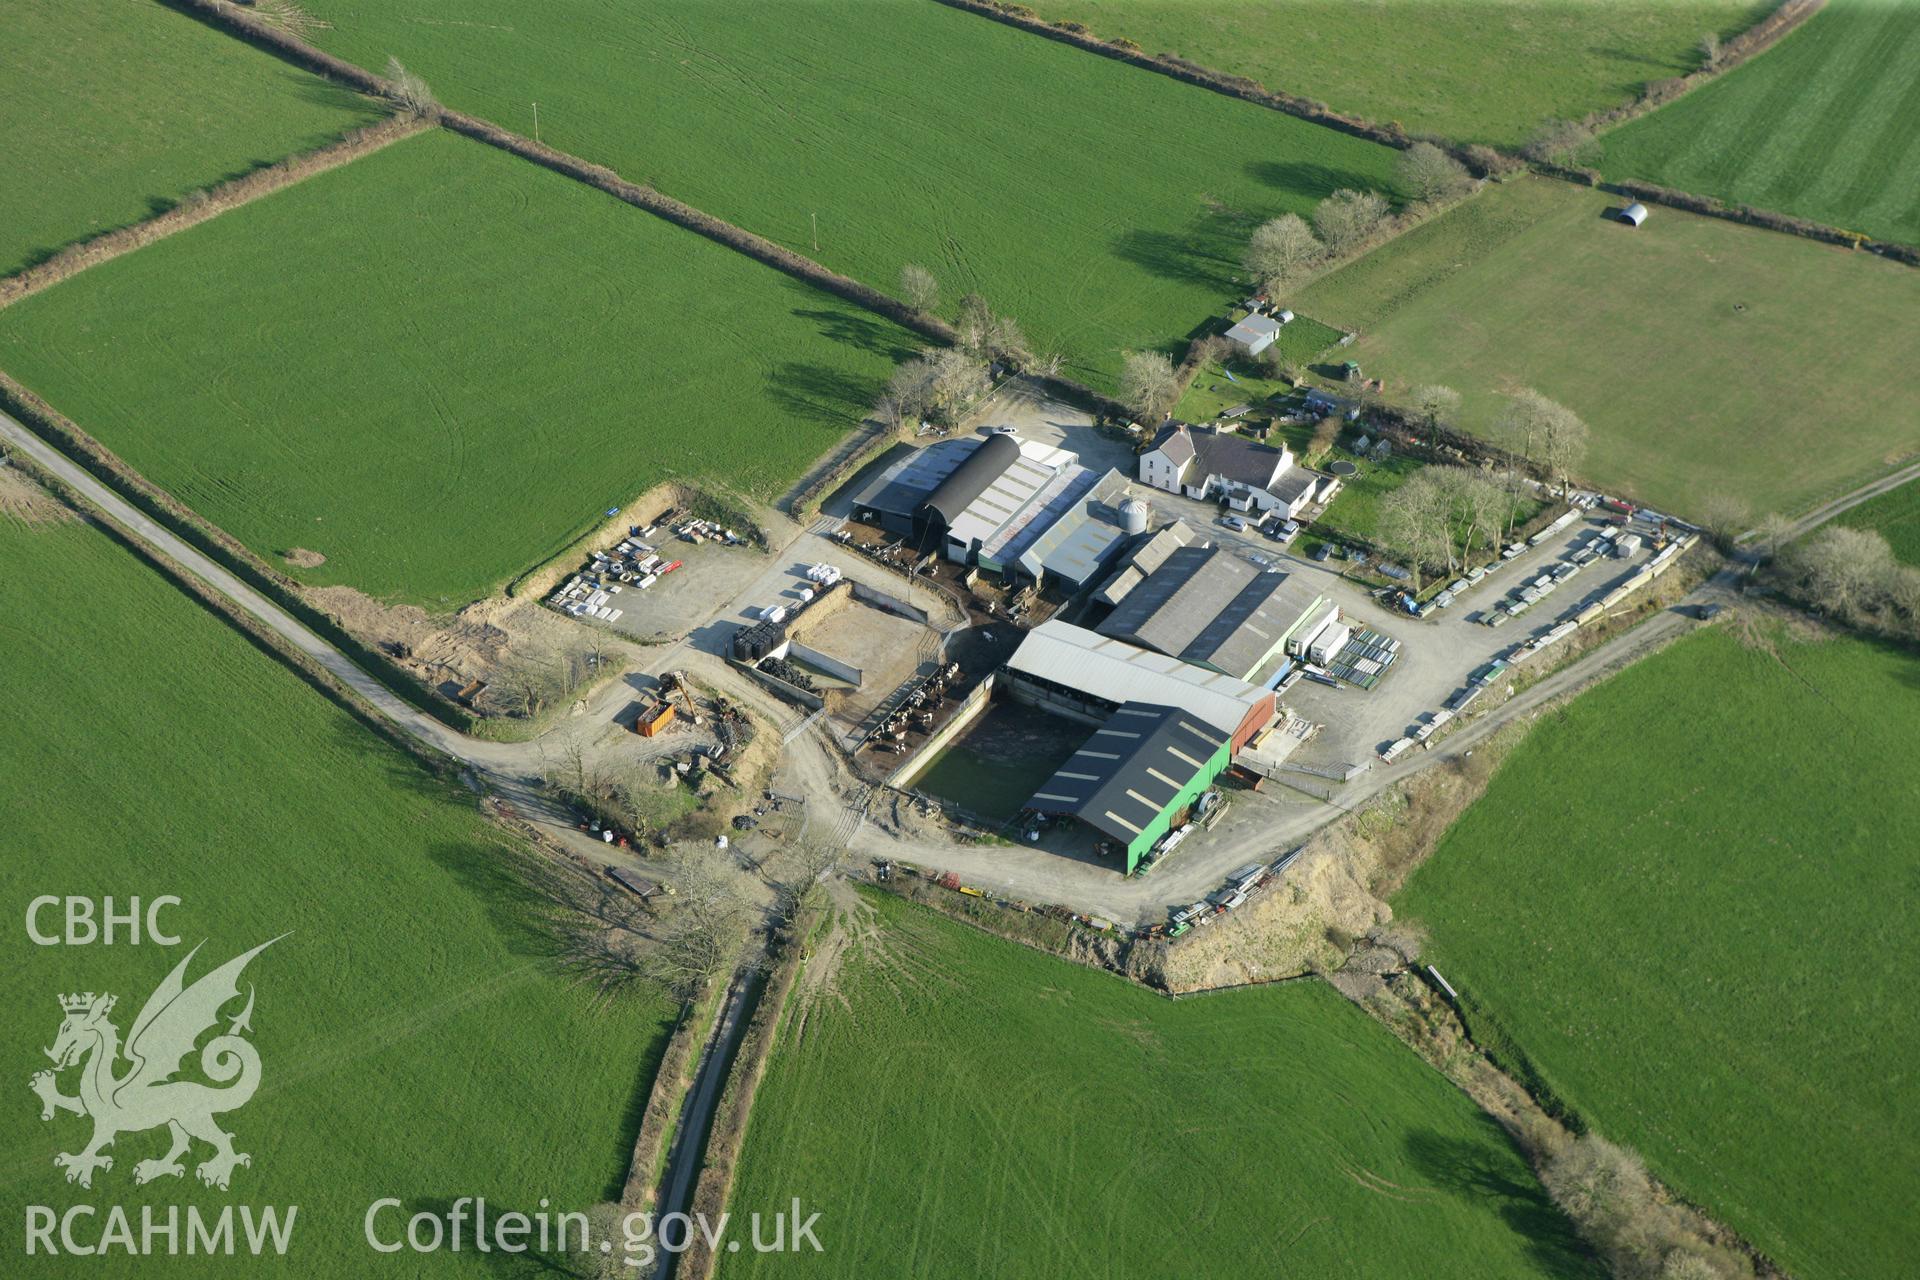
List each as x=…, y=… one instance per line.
x=896, y=499
x=1634, y=214
x=1255, y=333
x=1209, y=607
x=1137, y=772
x=1074, y=546
x=1081, y=674
x=1150, y=554
x=1203, y=463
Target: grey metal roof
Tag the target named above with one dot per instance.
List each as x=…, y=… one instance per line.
x=1293, y=484
x=1020, y=487
x=1112, y=671
x=1143, y=560
x=903, y=487
x=983, y=466
x=1254, y=328
x=1055, y=499
x=1207, y=606
x=1131, y=769
x=1080, y=541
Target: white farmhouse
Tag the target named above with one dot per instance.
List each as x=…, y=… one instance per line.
x=1203, y=463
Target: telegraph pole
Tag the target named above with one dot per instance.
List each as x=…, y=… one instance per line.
x=536, y=122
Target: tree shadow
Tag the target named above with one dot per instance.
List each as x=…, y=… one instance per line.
x=1192, y=258
x=1491, y=1174
x=855, y=329
x=821, y=394
x=1303, y=178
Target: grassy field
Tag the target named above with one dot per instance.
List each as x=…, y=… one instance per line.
x=1706, y=357
x=872, y=133
x=114, y=109
x=1469, y=70
x=415, y=1039
x=1684, y=899
x=960, y=1106
x=1826, y=125
x=1895, y=514
x=436, y=365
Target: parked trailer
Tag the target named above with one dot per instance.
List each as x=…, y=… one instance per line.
x=638, y=885
x=1396, y=749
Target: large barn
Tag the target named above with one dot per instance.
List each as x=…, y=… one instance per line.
x=1210, y=607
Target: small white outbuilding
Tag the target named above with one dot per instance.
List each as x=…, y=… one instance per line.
x=1634, y=214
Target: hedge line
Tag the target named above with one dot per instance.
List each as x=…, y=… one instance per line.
x=217, y=545
x=200, y=206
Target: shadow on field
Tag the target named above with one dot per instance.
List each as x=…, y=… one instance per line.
x=869, y=333
x=548, y=909
x=1302, y=178
x=1191, y=258
x=819, y=393
x=1483, y=1172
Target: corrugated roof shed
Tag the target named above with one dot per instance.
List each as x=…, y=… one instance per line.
x=1078, y=543
x=1143, y=560
x=992, y=456
x=1131, y=769
x=1006, y=493
x=1205, y=605
x=1115, y=672
x=903, y=487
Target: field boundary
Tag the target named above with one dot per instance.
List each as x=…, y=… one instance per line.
x=262, y=637
x=670, y=1083
x=1787, y=17
x=207, y=203
x=734, y=1111
x=1744, y=214
x=1244, y=88
x=66, y=436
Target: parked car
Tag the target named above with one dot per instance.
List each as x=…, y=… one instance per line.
x=1234, y=523
x=1320, y=553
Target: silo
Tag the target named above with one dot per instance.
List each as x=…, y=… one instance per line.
x=1133, y=516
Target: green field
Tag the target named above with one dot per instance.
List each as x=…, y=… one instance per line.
x=1826, y=125
x=114, y=109
x=414, y=1037
x=960, y=1106
x=1471, y=70
x=1685, y=899
x=1895, y=514
x=1706, y=357
x=1102, y=206
x=436, y=365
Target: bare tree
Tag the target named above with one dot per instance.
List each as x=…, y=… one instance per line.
x=976, y=319
x=702, y=932
x=409, y=90
x=1347, y=217
x=1148, y=385
x=919, y=288
x=1280, y=252
x=1551, y=434
x=1724, y=516
x=1326, y=434
x=1428, y=173
x=1772, y=534
x=530, y=684
x=1710, y=51
x=938, y=384
x=1844, y=571
x=1566, y=142
x=1414, y=524
x=1434, y=402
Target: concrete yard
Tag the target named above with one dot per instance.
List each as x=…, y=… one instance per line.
x=885, y=647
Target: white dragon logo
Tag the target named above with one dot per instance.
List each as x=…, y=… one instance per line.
x=145, y=1097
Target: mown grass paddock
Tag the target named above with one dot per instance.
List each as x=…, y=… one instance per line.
x=955, y=1105
x=114, y=109
x=1683, y=898
x=1706, y=357
x=1825, y=126
x=867, y=134
x=438, y=364
x=1896, y=515
x=1472, y=72
x=416, y=1038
